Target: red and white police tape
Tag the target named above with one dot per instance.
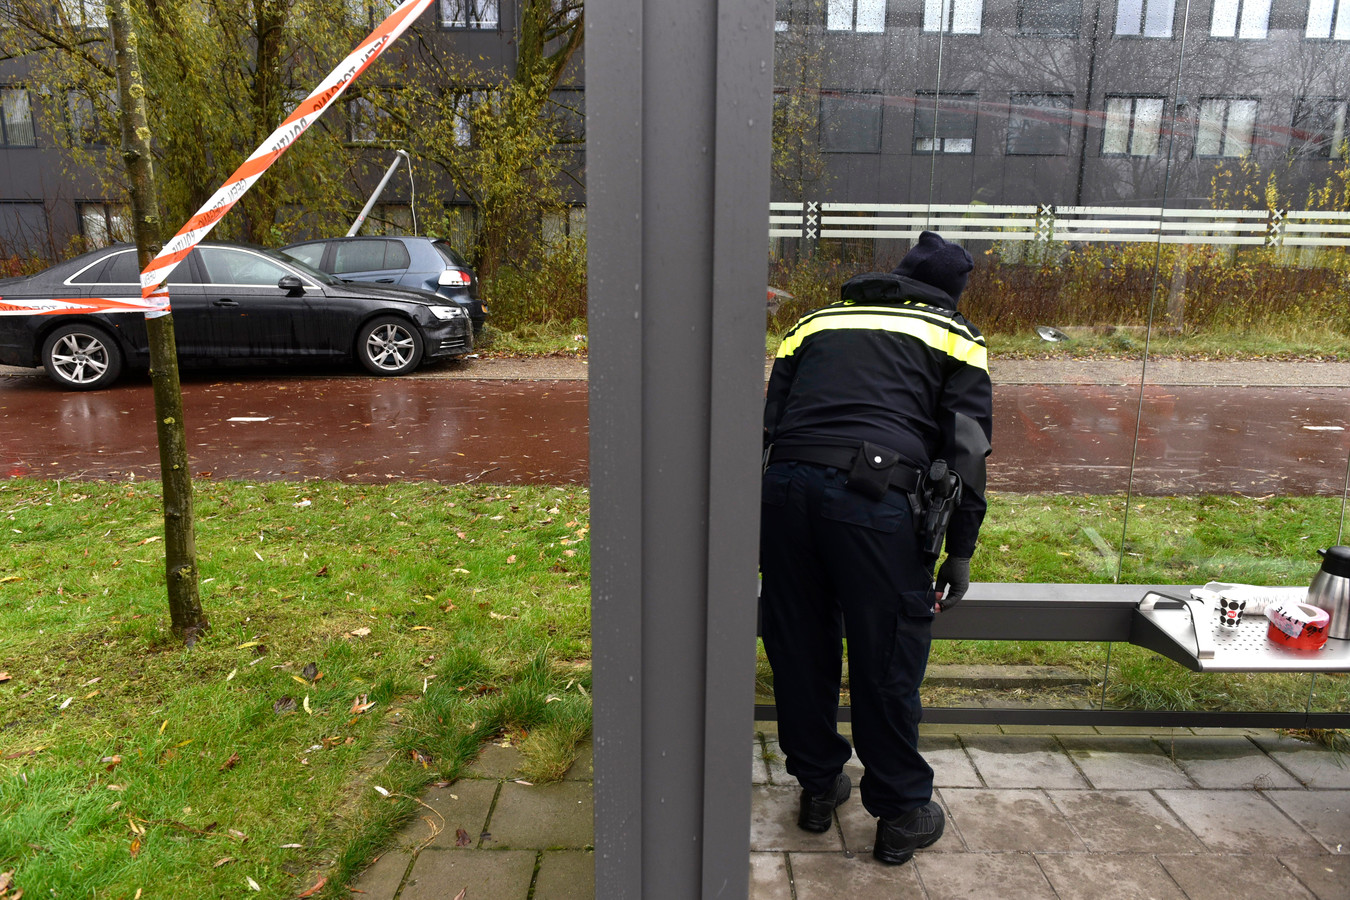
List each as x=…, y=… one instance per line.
x=154, y=294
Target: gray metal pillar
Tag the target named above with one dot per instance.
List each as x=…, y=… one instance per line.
x=679, y=96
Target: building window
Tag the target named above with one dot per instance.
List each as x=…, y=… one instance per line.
x=953, y=16
x=1328, y=19
x=944, y=123
x=1038, y=124
x=568, y=109
x=1145, y=18
x=104, y=223
x=470, y=14
x=1050, y=18
x=23, y=229
x=369, y=13
x=1245, y=19
x=1225, y=127
x=83, y=13
x=1133, y=126
x=16, y=118
x=90, y=125
x=462, y=106
x=782, y=15
x=1319, y=128
x=366, y=122
x=855, y=15
x=460, y=226
x=850, y=122
x=563, y=225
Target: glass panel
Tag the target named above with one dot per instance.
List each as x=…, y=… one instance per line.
x=224, y=266
x=18, y=118
x=1136, y=204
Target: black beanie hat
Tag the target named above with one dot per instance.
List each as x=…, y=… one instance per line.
x=940, y=263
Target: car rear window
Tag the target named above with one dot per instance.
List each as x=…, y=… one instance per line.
x=121, y=268
x=449, y=255
x=309, y=254
x=366, y=256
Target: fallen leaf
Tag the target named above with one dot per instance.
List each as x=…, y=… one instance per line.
x=291, y=846
x=524, y=782
x=149, y=540
x=69, y=700
x=253, y=885
x=511, y=559
x=117, y=787
x=310, y=671
x=92, y=681
x=462, y=838
x=8, y=578
x=383, y=792
x=308, y=711
x=314, y=890
x=299, y=679
x=284, y=705
x=419, y=757
x=322, y=573
x=6, y=880
x=360, y=632
x=462, y=892
x=360, y=704
x=223, y=861
x=4, y=676
x=233, y=672
x=135, y=847
x=246, y=644
x=230, y=763
x=239, y=836
x=112, y=761
x=421, y=628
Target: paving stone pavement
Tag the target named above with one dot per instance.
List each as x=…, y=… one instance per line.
x=1176, y=814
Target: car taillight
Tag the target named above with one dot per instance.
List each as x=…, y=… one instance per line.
x=454, y=277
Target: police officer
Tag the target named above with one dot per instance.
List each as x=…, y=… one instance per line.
x=865, y=395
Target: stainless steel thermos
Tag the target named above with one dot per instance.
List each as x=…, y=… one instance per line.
x=1330, y=590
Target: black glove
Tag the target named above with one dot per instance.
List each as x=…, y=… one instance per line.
x=953, y=580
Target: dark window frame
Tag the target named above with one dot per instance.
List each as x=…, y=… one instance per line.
x=1131, y=126
x=467, y=25
x=937, y=107
x=1030, y=9
x=1228, y=102
x=4, y=122
x=1305, y=108
x=823, y=121
x=1142, y=24
x=1019, y=101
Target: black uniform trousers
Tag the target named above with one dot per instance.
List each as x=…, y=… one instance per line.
x=834, y=561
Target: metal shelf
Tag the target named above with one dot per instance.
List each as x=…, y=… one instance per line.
x=1187, y=631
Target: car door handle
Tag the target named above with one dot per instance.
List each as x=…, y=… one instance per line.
x=226, y=302
x=384, y=281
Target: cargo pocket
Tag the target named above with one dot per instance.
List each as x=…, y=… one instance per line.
x=852, y=508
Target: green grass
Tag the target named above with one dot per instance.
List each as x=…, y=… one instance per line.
x=127, y=762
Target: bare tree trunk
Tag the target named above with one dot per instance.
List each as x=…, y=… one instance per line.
x=180, y=545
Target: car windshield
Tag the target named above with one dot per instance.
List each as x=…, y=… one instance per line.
x=307, y=270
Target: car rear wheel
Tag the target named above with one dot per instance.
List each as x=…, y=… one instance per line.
x=389, y=346
x=81, y=357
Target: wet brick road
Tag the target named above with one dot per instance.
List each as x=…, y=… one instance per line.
x=1075, y=438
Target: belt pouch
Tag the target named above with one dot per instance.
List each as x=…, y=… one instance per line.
x=871, y=472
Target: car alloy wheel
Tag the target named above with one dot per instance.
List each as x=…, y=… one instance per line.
x=81, y=357
x=389, y=346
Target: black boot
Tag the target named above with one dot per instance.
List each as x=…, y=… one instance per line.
x=898, y=838
x=818, y=809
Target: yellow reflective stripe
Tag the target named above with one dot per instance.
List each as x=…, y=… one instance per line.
x=945, y=337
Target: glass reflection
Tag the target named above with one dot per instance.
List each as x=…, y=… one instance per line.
x=1153, y=191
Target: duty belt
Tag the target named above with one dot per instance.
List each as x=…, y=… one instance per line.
x=903, y=476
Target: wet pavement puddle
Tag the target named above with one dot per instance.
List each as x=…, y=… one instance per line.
x=1063, y=438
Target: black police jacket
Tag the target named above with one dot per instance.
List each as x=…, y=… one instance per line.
x=893, y=363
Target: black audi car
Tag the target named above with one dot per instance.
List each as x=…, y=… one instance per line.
x=232, y=304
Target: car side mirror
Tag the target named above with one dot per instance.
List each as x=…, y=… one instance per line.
x=291, y=284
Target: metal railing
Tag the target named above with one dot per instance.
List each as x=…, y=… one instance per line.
x=813, y=220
